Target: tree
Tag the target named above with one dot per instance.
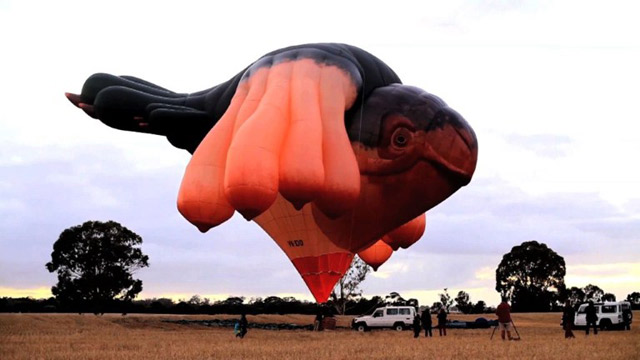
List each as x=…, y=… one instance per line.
x=348, y=288
x=608, y=297
x=576, y=295
x=394, y=299
x=195, y=300
x=463, y=303
x=531, y=275
x=446, y=300
x=95, y=262
x=593, y=293
x=634, y=298
x=479, y=307
x=233, y=300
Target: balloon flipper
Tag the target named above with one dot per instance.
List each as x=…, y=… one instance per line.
x=203, y=228
x=89, y=109
x=376, y=254
x=74, y=98
x=249, y=214
x=298, y=205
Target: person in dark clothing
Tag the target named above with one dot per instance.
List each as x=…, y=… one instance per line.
x=317, y=323
x=627, y=316
x=442, y=322
x=416, y=326
x=426, y=322
x=243, y=326
x=568, y=318
x=592, y=318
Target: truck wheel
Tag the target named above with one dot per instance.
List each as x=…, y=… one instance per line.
x=398, y=326
x=605, y=324
x=361, y=327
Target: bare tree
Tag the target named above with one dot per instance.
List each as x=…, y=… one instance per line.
x=446, y=300
x=348, y=288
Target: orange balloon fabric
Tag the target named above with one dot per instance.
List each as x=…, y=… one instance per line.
x=318, y=260
x=283, y=133
x=407, y=234
x=376, y=254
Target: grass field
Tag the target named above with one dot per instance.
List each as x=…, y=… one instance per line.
x=62, y=336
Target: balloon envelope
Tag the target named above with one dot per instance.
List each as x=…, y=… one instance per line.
x=325, y=162
x=376, y=254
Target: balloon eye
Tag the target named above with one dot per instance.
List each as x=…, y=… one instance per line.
x=401, y=137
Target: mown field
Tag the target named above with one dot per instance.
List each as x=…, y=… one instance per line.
x=63, y=336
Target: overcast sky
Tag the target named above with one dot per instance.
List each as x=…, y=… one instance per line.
x=550, y=87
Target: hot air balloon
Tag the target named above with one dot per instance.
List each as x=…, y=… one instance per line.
x=320, y=144
x=376, y=254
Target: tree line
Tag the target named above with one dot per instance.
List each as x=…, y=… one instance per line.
x=95, y=263
x=267, y=305
x=199, y=305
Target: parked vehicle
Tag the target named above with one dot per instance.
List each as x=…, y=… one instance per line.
x=609, y=314
x=394, y=317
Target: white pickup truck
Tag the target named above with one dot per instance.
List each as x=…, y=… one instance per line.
x=394, y=317
x=609, y=314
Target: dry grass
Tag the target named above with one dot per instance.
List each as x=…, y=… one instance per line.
x=40, y=336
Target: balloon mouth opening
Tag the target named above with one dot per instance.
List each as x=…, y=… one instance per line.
x=459, y=170
x=321, y=273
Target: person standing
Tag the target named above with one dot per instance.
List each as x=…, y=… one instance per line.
x=442, y=322
x=568, y=318
x=627, y=316
x=242, y=326
x=317, y=323
x=426, y=322
x=416, y=326
x=503, y=311
x=592, y=318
